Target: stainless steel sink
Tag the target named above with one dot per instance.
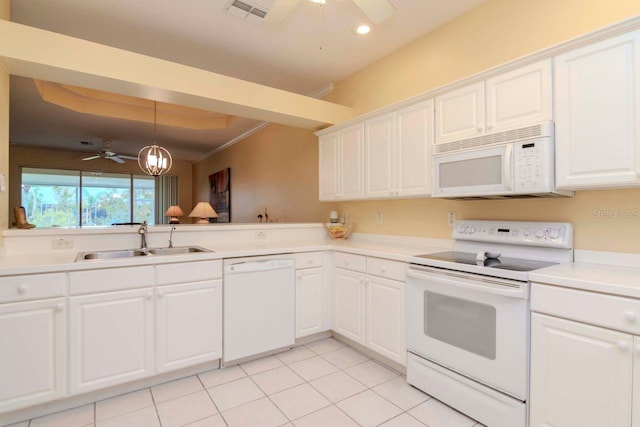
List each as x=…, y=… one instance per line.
x=129, y=253
x=180, y=250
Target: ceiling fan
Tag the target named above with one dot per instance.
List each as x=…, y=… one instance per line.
x=107, y=153
x=376, y=10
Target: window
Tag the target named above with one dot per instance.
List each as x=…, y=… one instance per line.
x=63, y=198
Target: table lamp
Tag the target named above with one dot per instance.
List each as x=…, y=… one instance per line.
x=174, y=212
x=204, y=211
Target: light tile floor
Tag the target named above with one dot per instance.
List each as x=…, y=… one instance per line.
x=324, y=383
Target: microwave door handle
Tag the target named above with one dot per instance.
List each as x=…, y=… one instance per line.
x=506, y=166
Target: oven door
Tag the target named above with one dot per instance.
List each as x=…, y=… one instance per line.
x=474, y=325
x=475, y=173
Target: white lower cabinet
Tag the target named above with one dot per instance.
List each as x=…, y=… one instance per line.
x=31, y=353
x=312, y=294
x=349, y=314
x=580, y=375
x=188, y=324
x=385, y=318
x=369, y=303
x=585, y=359
x=111, y=338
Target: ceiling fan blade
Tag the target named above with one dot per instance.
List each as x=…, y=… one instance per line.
x=96, y=156
x=124, y=156
x=280, y=11
x=116, y=159
x=376, y=10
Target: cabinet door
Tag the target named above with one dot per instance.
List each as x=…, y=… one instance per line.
x=379, y=162
x=414, y=138
x=349, y=304
x=386, y=318
x=520, y=97
x=31, y=353
x=635, y=416
x=351, y=161
x=580, y=374
x=597, y=105
x=460, y=113
x=111, y=339
x=189, y=324
x=310, y=302
x=328, y=166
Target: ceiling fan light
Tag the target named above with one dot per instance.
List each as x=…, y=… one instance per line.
x=362, y=29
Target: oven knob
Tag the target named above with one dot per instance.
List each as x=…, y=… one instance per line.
x=540, y=234
x=527, y=233
x=554, y=234
x=461, y=229
x=472, y=230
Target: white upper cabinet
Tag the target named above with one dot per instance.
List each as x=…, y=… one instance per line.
x=508, y=101
x=379, y=156
x=460, y=113
x=414, y=138
x=341, y=163
x=398, y=152
x=597, y=104
x=519, y=97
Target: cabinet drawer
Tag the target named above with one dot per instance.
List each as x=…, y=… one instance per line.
x=308, y=260
x=395, y=270
x=622, y=314
x=28, y=287
x=350, y=261
x=186, y=272
x=110, y=279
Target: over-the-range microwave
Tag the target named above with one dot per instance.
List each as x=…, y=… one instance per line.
x=517, y=163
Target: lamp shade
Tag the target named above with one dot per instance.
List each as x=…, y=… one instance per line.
x=174, y=212
x=204, y=211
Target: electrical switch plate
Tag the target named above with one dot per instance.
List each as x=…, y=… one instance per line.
x=451, y=218
x=3, y=182
x=379, y=218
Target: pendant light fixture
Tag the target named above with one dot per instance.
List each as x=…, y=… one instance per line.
x=153, y=159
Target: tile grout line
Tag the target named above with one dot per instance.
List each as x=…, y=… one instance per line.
x=211, y=398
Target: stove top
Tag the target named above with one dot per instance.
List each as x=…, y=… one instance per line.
x=505, y=263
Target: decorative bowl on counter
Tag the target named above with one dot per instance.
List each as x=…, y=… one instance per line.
x=338, y=230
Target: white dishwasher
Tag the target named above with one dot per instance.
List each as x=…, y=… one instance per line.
x=259, y=305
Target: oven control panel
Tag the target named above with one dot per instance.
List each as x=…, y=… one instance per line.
x=546, y=234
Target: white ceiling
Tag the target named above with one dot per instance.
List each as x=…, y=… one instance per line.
x=312, y=48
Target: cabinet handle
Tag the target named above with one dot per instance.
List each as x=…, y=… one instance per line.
x=59, y=307
x=479, y=128
x=299, y=276
x=160, y=294
x=631, y=316
x=489, y=126
x=346, y=262
x=149, y=295
x=623, y=345
x=22, y=289
x=310, y=262
x=383, y=269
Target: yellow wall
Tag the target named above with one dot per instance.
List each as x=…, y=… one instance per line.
x=493, y=33
x=62, y=159
x=276, y=169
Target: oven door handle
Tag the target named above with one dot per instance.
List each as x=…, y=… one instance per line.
x=487, y=285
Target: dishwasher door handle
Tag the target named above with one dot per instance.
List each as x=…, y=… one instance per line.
x=255, y=266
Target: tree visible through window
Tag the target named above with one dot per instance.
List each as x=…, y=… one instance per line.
x=61, y=198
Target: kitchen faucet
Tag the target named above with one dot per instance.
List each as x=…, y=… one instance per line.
x=173, y=227
x=142, y=231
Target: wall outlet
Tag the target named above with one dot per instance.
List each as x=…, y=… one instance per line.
x=379, y=218
x=62, y=243
x=451, y=218
x=261, y=235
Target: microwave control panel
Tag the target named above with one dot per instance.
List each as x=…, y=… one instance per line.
x=533, y=166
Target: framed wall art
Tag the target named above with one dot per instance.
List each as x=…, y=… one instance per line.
x=220, y=195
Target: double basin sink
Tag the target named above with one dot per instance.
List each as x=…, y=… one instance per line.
x=130, y=253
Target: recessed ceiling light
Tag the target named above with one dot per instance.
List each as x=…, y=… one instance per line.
x=320, y=1
x=362, y=29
